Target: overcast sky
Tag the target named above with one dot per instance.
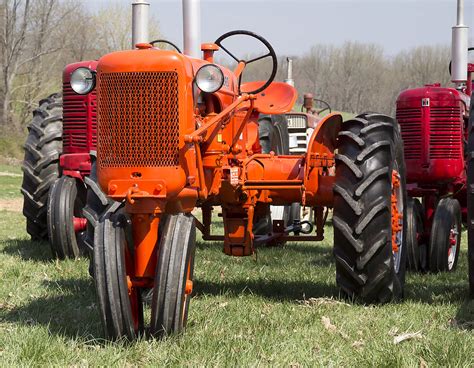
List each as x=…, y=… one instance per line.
x=293, y=26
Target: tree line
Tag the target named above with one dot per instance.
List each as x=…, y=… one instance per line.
x=38, y=38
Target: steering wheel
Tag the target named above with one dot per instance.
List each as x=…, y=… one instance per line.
x=271, y=53
x=168, y=43
x=468, y=50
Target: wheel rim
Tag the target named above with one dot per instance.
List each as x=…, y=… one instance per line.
x=188, y=289
x=397, y=219
x=453, y=246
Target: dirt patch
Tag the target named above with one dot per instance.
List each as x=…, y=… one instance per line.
x=13, y=205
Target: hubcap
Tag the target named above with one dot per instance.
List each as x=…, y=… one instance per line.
x=453, y=242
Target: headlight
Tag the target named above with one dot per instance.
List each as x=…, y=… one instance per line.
x=209, y=78
x=82, y=81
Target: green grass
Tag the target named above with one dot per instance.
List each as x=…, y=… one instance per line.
x=10, y=181
x=246, y=312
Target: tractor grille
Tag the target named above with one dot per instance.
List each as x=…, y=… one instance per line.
x=296, y=121
x=77, y=111
x=138, y=119
x=445, y=132
x=297, y=125
x=411, y=126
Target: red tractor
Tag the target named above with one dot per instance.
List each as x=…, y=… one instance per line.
x=176, y=132
x=434, y=125
x=57, y=160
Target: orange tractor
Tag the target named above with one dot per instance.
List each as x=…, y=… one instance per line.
x=177, y=132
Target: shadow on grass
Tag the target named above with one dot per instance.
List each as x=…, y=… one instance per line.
x=276, y=290
x=464, y=319
x=28, y=250
x=70, y=312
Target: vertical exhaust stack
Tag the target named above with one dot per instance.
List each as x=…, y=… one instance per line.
x=459, y=53
x=289, y=79
x=140, y=10
x=192, y=28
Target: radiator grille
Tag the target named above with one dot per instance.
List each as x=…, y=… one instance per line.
x=296, y=121
x=411, y=127
x=138, y=119
x=445, y=132
x=76, y=119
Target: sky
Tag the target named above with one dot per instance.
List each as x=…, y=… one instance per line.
x=292, y=27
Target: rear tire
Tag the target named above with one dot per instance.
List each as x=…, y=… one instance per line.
x=369, y=267
x=445, y=239
x=174, y=276
x=41, y=163
x=66, y=201
x=470, y=198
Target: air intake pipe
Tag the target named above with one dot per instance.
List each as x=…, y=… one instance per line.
x=289, y=78
x=140, y=10
x=459, y=53
x=192, y=28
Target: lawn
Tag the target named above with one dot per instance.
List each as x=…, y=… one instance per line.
x=281, y=308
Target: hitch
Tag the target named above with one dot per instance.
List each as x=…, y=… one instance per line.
x=282, y=233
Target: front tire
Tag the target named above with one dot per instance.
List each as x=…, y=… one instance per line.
x=445, y=239
x=65, y=203
x=370, y=209
x=174, y=276
x=416, y=252
x=120, y=305
x=41, y=163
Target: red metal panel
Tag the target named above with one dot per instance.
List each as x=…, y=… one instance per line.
x=431, y=122
x=79, y=115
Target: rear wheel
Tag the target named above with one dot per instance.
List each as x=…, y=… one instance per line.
x=120, y=304
x=174, y=276
x=445, y=239
x=65, y=222
x=369, y=215
x=41, y=163
x=470, y=198
x=416, y=251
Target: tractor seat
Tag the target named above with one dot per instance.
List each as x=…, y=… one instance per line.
x=277, y=98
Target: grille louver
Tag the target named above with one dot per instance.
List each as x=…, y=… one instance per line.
x=138, y=119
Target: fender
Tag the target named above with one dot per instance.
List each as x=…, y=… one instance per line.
x=319, y=169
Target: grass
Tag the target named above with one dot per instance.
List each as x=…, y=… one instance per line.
x=10, y=181
x=263, y=311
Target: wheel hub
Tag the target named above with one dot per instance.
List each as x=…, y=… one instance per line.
x=397, y=217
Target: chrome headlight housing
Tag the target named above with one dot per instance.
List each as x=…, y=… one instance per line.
x=82, y=80
x=209, y=78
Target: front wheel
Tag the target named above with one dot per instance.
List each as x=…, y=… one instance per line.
x=445, y=239
x=174, y=276
x=120, y=304
x=416, y=250
x=369, y=215
x=64, y=217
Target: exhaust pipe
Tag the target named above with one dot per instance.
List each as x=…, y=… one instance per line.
x=192, y=28
x=289, y=79
x=459, y=53
x=140, y=10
